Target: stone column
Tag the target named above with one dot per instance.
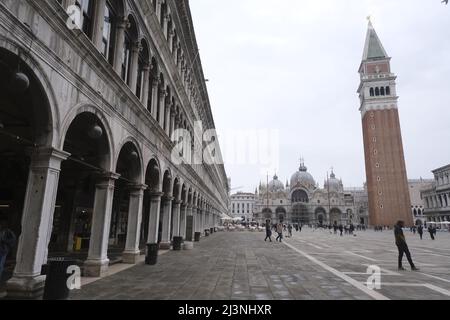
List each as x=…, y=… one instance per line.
x=176, y=218
x=97, y=262
x=37, y=222
x=154, y=103
x=162, y=105
x=145, y=86
x=153, y=224
x=132, y=251
x=171, y=38
x=172, y=122
x=98, y=22
x=134, y=66
x=120, y=41
x=165, y=25
x=183, y=221
x=167, y=119
x=158, y=9
x=196, y=215
x=166, y=223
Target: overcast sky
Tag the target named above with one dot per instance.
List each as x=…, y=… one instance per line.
x=292, y=66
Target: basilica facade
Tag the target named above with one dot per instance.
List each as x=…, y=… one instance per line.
x=303, y=201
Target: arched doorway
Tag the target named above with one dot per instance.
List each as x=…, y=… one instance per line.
x=152, y=204
x=166, y=211
x=87, y=142
x=26, y=130
x=320, y=215
x=127, y=192
x=300, y=214
x=280, y=213
x=335, y=216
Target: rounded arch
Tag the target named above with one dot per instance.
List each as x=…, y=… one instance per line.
x=153, y=175
x=176, y=188
x=87, y=108
x=131, y=144
x=299, y=195
x=167, y=182
x=7, y=47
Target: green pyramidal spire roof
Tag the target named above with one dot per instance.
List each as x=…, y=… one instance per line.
x=373, y=48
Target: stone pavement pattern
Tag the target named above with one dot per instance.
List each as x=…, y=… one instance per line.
x=310, y=265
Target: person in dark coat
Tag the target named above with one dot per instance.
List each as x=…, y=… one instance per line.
x=431, y=231
x=400, y=241
x=341, y=229
x=420, y=231
x=268, y=233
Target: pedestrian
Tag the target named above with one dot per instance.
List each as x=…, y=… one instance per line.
x=420, y=231
x=341, y=228
x=431, y=231
x=300, y=228
x=290, y=230
x=335, y=227
x=268, y=233
x=280, y=232
x=352, y=228
x=7, y=243
x=400, y=241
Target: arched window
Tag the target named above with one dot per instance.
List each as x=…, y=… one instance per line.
x=377, y=91
x=388, y=91
x=131, y=36
x=382, y=91
x=87, y=13
x=372, y=92
x=109, y=30
x=143, y=62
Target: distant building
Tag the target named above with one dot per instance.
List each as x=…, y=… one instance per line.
x=437, y=196
x=242, y=205
x=417, y=203
x=304, y=202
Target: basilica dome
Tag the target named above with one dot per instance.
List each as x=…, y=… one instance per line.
x=302, y=178
x=333, y=184
x=276, y=185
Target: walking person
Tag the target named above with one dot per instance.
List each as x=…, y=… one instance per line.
x=400, y=241
x=280, y=232
x=341, y=228
x=430, y=230
x=7, y=243
x=290, y=230
x=268, y=233
x=420, y=231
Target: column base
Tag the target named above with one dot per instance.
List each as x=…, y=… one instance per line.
x=95, y=268
x=188, y=245
x=130, y=257
x=26, y=288
x=164, y=246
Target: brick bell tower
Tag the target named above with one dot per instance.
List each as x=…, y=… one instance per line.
x=387, y=183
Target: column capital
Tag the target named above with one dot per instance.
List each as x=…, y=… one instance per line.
x=168, y=198
x=178, y=202
x=137, y=187
x=123, y=23
x=48, y=158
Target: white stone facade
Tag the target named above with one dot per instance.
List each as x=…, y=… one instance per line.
x=95, y=124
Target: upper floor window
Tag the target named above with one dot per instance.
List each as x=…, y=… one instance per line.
x=109, y=32
x=87, y=12
x=372, y=92
x=388, y=91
